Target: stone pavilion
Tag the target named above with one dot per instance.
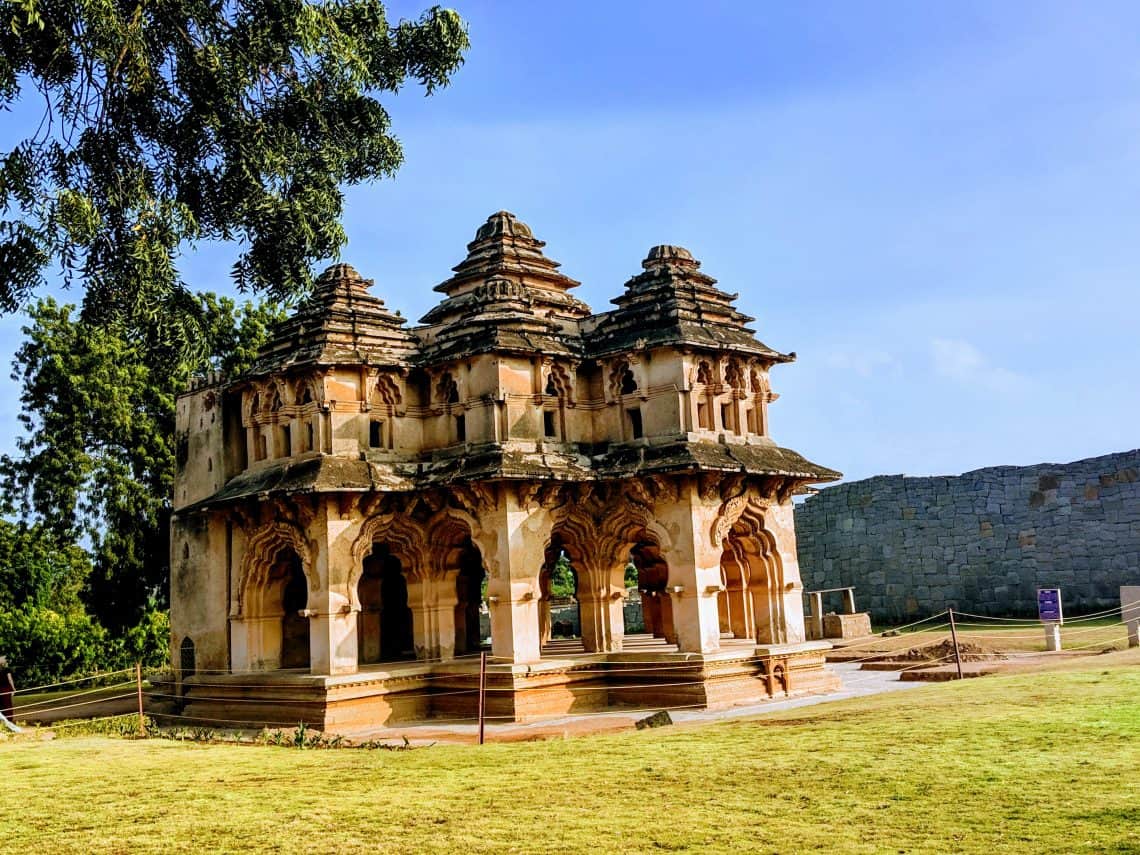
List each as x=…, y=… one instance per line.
x=349, y=508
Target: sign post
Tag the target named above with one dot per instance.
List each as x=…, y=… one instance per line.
x=1049, y=612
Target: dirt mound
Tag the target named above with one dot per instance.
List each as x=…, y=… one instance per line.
x=968, y=651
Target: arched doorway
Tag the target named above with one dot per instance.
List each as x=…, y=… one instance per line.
x=652, y=576
x=469, y=601
x=384, y=625
x=752, y=603
x=560, y=613
x=294, y=600
x=275, y=610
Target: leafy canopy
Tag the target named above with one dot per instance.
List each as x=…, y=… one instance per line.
x=167, y=122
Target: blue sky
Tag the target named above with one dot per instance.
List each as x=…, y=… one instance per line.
x=934, y=204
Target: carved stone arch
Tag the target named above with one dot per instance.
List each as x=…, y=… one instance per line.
x=705, y=373
x=447, y=534
x=277, y=395
x=758, y=379
x=402, y=535
x=447, y=389
x=754, y=538
x=305, y=391
x=386, y=391
x=734, y=374
x=261, y=548
x=255, y=402
x=558, y=382
x=622, y=379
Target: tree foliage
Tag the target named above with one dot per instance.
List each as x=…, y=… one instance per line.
x=168, y=122
x=96, y=465
x=38, y=571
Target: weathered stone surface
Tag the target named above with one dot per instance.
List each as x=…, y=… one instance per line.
x=982, y=542
x=346, y=503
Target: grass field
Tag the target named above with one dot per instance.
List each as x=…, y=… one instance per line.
x=1082, y=635
x=1043, y=763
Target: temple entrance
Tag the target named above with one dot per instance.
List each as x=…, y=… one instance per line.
x=469, y=594
x=279, y=631
x=560, y=613
x=294, y=625
x=751, y=605
x=656, y=605
x=384, y=625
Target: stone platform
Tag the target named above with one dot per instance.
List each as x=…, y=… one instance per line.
x=648, y=673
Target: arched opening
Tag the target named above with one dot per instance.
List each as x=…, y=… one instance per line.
x=187, y=663
x=656, y=604
x=294, y=625
x=559, y=612
x=469, y=581
x=628, y=382
x=706, y=397
x=384, y=625
x=751, y=605
x=274, y=609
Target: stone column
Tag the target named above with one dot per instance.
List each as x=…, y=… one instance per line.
x=650, y=613
x=512, y=539
x=433, y=603
x=694, y=569
x=332, y=620
x=666, y=628
x=787, y=593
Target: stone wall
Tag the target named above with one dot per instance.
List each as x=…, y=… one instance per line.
x=981, y=542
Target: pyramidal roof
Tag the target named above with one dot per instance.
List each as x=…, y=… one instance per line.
x=341, y=322
x=672, y=302
x=505, y=295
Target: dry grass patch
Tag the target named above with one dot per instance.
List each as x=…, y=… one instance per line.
x=1026, y=763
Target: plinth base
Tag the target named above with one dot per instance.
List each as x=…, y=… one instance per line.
x=647, y=674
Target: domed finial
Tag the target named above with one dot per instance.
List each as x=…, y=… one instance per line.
x=665, y=254
x=337, y=274
x=503, y=223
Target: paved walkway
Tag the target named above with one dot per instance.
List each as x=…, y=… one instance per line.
x=856, y=684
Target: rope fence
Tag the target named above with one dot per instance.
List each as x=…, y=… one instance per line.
x=919, y=639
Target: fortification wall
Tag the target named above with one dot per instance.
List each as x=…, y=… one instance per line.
x=983, y=541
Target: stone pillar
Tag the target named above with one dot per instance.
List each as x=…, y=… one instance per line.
x=544, y=624
x=433, y=603
x=666, y=628
x=650, y=613
x=740, y=609
x=694, y=569
x=849, y=601
x=512, y=539
x=787, y=590
x=601, y=602
x=332, y=619
x=332, y=640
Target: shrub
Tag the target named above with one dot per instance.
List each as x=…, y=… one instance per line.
x=44, y=646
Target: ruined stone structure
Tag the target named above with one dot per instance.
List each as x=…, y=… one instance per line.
x=341, y=507
x=980, y=542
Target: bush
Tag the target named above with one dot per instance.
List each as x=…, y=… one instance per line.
x=44, y=646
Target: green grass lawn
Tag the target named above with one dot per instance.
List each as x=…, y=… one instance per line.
x=1043, y=763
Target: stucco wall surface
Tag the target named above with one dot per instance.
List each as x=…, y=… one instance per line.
x=983, y=541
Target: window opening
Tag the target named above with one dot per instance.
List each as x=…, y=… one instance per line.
x=635, y=426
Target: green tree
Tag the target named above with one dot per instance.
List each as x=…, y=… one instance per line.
x=168, y=122
x=562, y=582
x=96, y=465
x=39, y=572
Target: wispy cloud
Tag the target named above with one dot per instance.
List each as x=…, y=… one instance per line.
x=865, y=363
x=959, y=360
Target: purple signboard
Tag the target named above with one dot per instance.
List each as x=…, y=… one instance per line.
x=1049, y=605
